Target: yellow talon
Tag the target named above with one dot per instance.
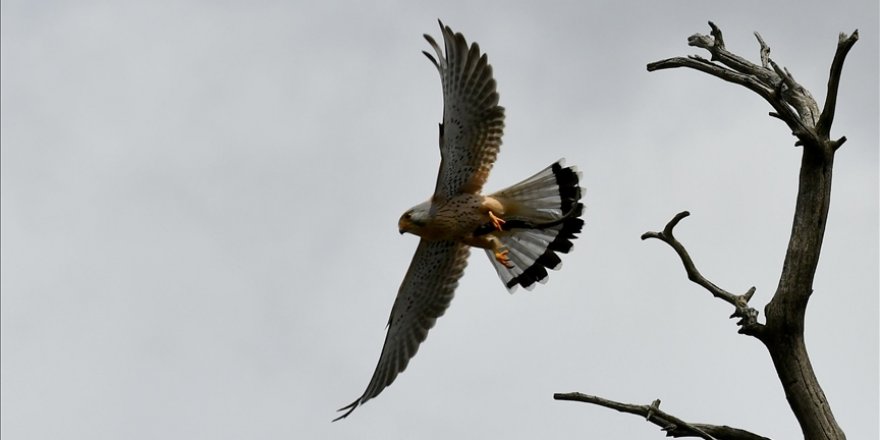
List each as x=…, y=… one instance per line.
x=496, y=222
x=501, y=256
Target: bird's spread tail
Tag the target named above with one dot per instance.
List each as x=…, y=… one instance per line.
x=542, y=215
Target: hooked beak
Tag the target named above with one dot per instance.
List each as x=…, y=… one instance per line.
x=403, y=225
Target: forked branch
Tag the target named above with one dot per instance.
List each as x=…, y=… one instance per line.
x=673, y=426
x=748, y=321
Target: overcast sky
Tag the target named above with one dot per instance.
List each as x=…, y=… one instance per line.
x=199, y=207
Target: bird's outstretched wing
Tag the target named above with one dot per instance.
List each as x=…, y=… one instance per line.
x=473, y=122
x=424, y=295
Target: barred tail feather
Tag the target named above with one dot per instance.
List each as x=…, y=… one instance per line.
x=551, y=195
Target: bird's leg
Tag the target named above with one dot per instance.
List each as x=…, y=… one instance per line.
x=497, y=222
x=500, y=252
x=501, y=256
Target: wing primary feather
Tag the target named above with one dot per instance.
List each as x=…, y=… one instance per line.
x=424, y=296
x=472, y=119
x=431, y=57
x=440, y=61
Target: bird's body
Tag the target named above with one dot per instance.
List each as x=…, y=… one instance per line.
x=455, y=219
x=448, y=220
x=521, y=227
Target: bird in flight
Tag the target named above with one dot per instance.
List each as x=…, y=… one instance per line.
x=521, y=228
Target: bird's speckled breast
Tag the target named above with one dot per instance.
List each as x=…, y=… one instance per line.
x=458, y=218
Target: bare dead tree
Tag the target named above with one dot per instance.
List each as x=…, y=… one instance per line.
x=782, y=333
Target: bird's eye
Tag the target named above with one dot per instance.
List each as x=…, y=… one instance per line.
x=407, y=215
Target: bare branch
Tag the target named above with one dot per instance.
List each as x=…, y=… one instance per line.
x=715, y=45
x=769, y=89
x=798, y=97
x=765, y=51
x=716, y=34
x=673, y=426
x=844, y=44
x=792, y=103
x=748, y=322
x=713, y=69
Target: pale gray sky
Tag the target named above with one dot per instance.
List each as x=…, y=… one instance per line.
x=199, y=206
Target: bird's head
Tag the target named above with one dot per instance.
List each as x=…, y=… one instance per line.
x=415, y=218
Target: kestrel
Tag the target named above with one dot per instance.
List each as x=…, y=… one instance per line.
x=521, y=228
